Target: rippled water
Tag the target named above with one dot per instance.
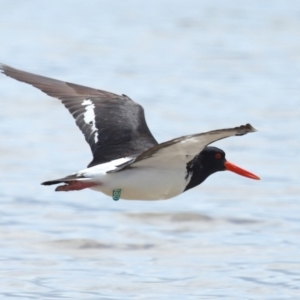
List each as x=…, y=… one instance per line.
x=194, y=66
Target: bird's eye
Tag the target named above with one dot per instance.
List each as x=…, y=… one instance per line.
x=218, y=155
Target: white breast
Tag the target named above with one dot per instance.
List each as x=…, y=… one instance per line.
x=138, y=183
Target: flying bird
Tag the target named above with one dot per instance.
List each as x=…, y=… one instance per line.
x=128, y=163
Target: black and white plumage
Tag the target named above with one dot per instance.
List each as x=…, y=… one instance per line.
x=126, y=156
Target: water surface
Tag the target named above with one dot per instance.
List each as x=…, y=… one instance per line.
x=194, y=66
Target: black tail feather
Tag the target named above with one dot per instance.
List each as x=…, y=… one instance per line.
x=62, y=180
x=50, y=182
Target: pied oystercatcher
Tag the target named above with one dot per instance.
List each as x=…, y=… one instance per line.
x=128, y=162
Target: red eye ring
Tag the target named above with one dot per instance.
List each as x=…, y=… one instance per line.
x=218, y=155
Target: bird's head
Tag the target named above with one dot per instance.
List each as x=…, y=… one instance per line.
x=212, y=159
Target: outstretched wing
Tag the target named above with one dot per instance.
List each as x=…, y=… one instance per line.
x=114, y=126
x=178, y=152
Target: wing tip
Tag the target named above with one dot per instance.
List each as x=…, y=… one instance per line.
x=249, y=127
x=2, y=68
x=5, y=68
x=244, y=129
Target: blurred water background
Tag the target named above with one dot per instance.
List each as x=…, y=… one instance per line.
x=194, y=66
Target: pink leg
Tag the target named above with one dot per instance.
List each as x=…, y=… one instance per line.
x=74, y=186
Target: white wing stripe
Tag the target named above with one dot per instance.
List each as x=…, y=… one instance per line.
x=90, y=117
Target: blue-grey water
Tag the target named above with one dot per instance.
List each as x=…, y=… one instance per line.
x=194, y=66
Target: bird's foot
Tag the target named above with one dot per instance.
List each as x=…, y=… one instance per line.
x=74, y=186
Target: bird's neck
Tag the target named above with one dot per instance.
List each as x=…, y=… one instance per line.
x=197, y=174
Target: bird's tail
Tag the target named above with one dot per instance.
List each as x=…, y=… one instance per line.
x=72, y=183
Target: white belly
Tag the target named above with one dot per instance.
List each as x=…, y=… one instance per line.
x=142, y=183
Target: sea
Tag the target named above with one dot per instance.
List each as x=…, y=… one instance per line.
x=194, y=66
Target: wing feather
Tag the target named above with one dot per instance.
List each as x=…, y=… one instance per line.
x=178, y=152
x=114, y=126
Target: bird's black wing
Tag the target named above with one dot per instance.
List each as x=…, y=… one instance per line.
x=114, y=126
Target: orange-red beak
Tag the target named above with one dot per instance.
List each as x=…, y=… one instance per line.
x=233, y=168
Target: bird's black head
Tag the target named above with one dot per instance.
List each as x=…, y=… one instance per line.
x=209, y=161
